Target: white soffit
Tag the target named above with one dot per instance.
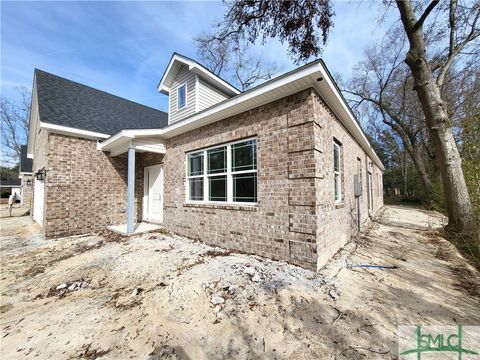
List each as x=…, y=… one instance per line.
x=290, y=83
x=178, y=60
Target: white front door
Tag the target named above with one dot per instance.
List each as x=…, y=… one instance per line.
x=38, y=201
x=153, y=196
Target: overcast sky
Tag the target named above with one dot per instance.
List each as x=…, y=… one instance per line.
x=124, y=47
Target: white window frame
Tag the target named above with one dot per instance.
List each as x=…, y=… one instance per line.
x=229, y=174
x=338, y=199
x=184, y=85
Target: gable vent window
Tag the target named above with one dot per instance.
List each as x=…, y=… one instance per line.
x=182, y=97
x=223, y=174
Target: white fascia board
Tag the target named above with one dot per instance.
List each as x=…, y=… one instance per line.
x=242, y=98
x=161, y=85
x=32, y=121
x=122, y=135
x=352, y=122
x=164, y=89
x=166, y=132
x=66, y=130
x=200, y=70
x=203, y=117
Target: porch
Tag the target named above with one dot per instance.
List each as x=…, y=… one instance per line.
x=144, y=180
x=139, y=228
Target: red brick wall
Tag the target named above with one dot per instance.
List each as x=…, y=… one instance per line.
x=274, y=228
x=336, y=223
x=87, y=189
x=296, y=218
x=27, y=190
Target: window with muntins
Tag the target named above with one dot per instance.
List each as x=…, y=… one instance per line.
x=182, y=96
x=337, y=171
x=223, y=174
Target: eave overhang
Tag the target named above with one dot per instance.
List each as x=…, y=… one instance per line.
x=313, y=75
x=178, y=60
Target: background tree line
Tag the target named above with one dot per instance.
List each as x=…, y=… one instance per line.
x=418, y=90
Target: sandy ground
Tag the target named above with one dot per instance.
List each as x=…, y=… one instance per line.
x=150, y=296
x=17, y=210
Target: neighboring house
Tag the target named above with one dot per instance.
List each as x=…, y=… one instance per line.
x=10, y=187
x=26, y=178
x=268, y=171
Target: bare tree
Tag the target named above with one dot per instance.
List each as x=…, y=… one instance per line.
x=300, y=22
x=14, y=125
x=382, y=81
x=232, y=59
x=429, y=79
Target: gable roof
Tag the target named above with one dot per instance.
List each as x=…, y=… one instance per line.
x=177, y=60
x=25, y=162
x=314, y=74
x=67, y=103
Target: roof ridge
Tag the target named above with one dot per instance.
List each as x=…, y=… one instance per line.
x=206, y=68
x=93, y=88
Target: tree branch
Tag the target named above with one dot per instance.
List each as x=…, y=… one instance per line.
x=424, y=16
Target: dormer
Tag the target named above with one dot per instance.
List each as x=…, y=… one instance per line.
x=191, y=88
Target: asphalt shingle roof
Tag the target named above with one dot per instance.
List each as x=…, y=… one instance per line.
x=25, y=162
x=68, y=103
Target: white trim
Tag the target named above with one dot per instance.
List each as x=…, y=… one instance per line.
x=197, y=69
x=30, y=156
x=73, y=131
x=266, y=93
x=241, y=99
x=260, y=90
x=197, y=90
x=338, y=173
x=228, y=173
x=146, y=200
x=122, y=134
x=356, y=129
x=178, y=96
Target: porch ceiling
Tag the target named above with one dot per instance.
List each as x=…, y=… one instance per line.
x=140, y=144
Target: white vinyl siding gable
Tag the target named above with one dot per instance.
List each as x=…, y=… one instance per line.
x=199, y=95
x=183, y=77
x=208, y=95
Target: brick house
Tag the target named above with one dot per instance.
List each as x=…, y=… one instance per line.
x=268, y=171
x=25, y=176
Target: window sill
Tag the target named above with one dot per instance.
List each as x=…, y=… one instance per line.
x=339, y=205
x=253, y=207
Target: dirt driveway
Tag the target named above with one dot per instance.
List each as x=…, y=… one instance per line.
x=163, y=296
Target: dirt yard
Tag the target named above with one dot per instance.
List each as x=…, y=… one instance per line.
x=158, y=295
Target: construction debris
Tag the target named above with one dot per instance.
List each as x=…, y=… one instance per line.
x=162, y=296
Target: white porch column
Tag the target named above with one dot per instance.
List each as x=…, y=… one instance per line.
x=131, y=190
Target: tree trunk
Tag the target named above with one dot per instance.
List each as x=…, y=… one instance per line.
x=412, y=148
x=422, y=172
x=405, y=176
x=457, y=201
